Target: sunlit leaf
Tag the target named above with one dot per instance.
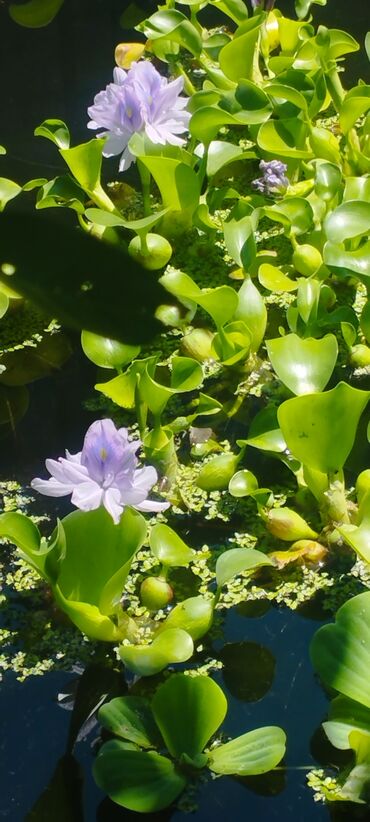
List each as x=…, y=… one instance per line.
x=169, y=646
x=303, y=365
x=234, y=562
x=255, y=752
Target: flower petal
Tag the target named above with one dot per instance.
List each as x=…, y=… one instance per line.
x=87, y=496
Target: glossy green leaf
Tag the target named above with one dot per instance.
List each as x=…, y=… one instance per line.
x=255, y=752
x=367, y=44
x=85, y=161
x=188, y=711
x=264, y=432
x=272, y=278
x=320, y=429
x=243, y=484
x=328, y=178
x=193, y=615
x=106, y=218
x=206, y=122
x=78, y=279
x=169, y=549
x=62, y=192
x=20, y=530
x=280, y=91
x=303, y=365
x=254, y=101
x=54, y=130
x=141, y=781
x=358, y=537
x=216, y=474
x=35, y=13
x=345, y=715
x=186, y=375
x=295, y=213
x=8, y=190
x=357, y=188
x=107, y=353
x=240, y=239
x=122, y=389
x=340, y=652
x=355, y=104
x=348, y=262
x=91, y=599
x=220, y=303
x=236, y=58
x=4, y=305
x=302, y=7
x=232, y=343
x=234, y=562
x=131, y=718
x=178, y=183
x=2, y=150
x=173, y=26
x=169, y=646
x=252, y=310
x=350, y=219
x=284, y=138
x=235, y=9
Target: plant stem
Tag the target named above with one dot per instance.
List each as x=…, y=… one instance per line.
x=145, y=184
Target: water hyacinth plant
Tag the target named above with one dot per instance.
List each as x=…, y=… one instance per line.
x=219, y=284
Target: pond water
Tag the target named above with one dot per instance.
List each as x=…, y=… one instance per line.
x=55, y=73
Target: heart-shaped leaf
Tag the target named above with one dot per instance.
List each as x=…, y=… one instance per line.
x=303, y=365
x=169, y=646
x=169, y=548
x=188, y=711
x=234, y=562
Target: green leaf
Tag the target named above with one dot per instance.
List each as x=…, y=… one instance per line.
x=107, y=353
x=359, y=537
x=367, y=44
x=186, y=375
x=168, y=548
x=239, y=237
x=302, y=7
x=252, y=753
x=36, y=13
x=243, y=484
x=348, y=263
x=304, y=366
x=83, y=282
x=320, y=429
x=188, y=711
x=355, y=104
x=357, y=188
x=131, y=718
x=350, y=219
x=234, y=562
x=20, y=530
x=236, y=58
x=54, y=130
x=252, y=310
x=90, y=599
x=62, y=192
x=345, y=716
x=295, y=214
x=272, y=278
x=169, y=646
x=288, y=93
x=84, y=161
x=193, y=615
x=328, y=178
x=173, y=26
x=235, y=9
x=8, y=190
x=141, y=781
x=284, y=138
x=206, y=122
x=4, y=305
x=178, y=184
x=106, y=218
x=256, y=107
x=2, y=150
x=340, y=652
x=264, y=432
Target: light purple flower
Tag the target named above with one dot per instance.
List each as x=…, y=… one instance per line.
x=139, y=101
x=274, y=180
x=105, y=473
x=263, y=4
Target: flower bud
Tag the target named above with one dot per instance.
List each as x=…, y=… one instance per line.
x=307, y=259
x=286, y=524
x=156, y=255
x=324, y=145
x=198, y=344
x=216, y=474
x=155, y=593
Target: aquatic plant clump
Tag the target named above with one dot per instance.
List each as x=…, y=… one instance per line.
x=221, y=293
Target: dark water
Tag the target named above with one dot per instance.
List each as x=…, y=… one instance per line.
x=55, y=72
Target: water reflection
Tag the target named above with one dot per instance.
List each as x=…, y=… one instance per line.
x=248, y=670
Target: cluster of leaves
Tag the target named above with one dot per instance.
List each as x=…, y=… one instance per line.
x=262, y=87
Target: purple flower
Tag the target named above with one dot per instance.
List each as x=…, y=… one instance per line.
x=273, y=180
x=139, y=101
x=263, y=4
x=105, y=473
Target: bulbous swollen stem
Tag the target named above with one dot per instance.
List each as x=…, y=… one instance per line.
x=334, y=506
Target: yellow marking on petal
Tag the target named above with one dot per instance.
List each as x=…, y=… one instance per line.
x=103, y=454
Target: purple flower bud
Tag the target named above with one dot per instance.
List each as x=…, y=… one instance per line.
x=139, y=101
x=105, y=473
x=267, y=5
x=274, y=180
